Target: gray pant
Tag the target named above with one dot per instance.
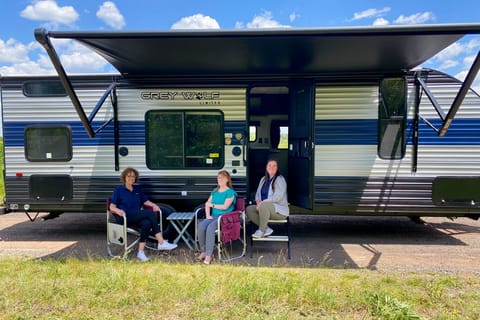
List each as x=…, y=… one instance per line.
x=266, y=212
x=206, y=235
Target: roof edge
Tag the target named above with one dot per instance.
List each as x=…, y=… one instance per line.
x=451, y=28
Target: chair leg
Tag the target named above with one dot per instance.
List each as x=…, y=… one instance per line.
x=289, y=234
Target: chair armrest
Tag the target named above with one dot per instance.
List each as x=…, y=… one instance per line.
x=159, y=212
x=199, y=212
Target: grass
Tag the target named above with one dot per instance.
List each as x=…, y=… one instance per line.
x=114, y=289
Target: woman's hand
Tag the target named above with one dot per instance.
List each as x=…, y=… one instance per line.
x=154, y=206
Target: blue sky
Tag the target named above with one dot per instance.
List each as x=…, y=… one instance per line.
x=20, y=54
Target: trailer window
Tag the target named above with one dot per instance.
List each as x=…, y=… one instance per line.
x=252, y=133
x=48, y=143
x=48, y=88
x=393, y=118
x=184, y=139
x=279, y=134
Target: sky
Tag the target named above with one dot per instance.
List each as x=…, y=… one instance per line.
x=21, y=54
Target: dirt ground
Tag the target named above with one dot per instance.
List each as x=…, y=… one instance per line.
x=375, y=243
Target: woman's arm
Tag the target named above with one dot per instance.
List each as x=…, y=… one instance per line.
x=113, y=208
x=208, y=205
x=227, y=203
x=153, y=205
x=258, y=194
x=280, y=189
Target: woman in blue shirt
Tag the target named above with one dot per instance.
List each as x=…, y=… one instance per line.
x=127, y=201
x=221, y=200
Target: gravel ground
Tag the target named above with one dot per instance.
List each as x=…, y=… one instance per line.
x=374, y=243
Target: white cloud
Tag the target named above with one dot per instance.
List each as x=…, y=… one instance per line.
x=416, y=18
x=472, y=48
x=110, y=15
x=473, y=44
x=32, y=59
x=369, y=13
x=447, y=64
x=457, y=60
x=293, y=16
x=197, y=21
x=265, y=20
x=26, y=67
x=76, y=58
x=450, y=52
x=453, y=55
x=239, y=25
x=13, y=51
x=49, y=11
x=381, y=22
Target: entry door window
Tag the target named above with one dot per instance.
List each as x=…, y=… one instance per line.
x=392, y=116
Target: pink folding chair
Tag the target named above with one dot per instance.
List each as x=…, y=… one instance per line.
x=230, y=230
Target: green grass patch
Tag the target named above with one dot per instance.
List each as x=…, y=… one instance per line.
x=113, y=289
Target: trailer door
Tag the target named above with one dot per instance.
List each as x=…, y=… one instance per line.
x=301, y=144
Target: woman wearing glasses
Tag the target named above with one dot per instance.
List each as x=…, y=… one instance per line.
x=127, y=201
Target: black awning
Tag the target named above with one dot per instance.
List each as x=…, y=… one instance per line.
x=270, y=51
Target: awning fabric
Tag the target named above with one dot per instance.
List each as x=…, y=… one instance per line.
x=360, y=50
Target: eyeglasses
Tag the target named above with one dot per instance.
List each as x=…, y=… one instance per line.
x=131, y=176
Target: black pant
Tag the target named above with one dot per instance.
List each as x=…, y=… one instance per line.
x=146, y=220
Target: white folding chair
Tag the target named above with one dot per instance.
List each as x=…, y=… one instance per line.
x=121, y=238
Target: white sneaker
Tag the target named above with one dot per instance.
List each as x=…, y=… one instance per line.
x=166, y=245
x=141, y=256
x=258, y=234
x=268, y=232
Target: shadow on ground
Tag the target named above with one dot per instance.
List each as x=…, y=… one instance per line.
x=318, y=241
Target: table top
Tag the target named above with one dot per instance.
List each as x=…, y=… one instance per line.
x=181, y=216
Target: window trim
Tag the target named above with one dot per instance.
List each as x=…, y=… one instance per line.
x=45, y=83
x=184, y=112
x=68, y=130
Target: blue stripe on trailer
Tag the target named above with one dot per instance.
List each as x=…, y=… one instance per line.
x=130, y=132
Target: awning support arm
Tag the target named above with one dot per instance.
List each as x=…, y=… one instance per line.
x=42, y=38
x=448, y=118
x=432, y=99
x=472, y=73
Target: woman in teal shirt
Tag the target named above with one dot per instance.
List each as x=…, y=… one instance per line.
x=222, y=200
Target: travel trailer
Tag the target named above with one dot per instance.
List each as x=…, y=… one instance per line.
x=356, y=127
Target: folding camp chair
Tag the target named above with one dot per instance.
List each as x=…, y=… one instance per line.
x=121, y=238
x=230, y=229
